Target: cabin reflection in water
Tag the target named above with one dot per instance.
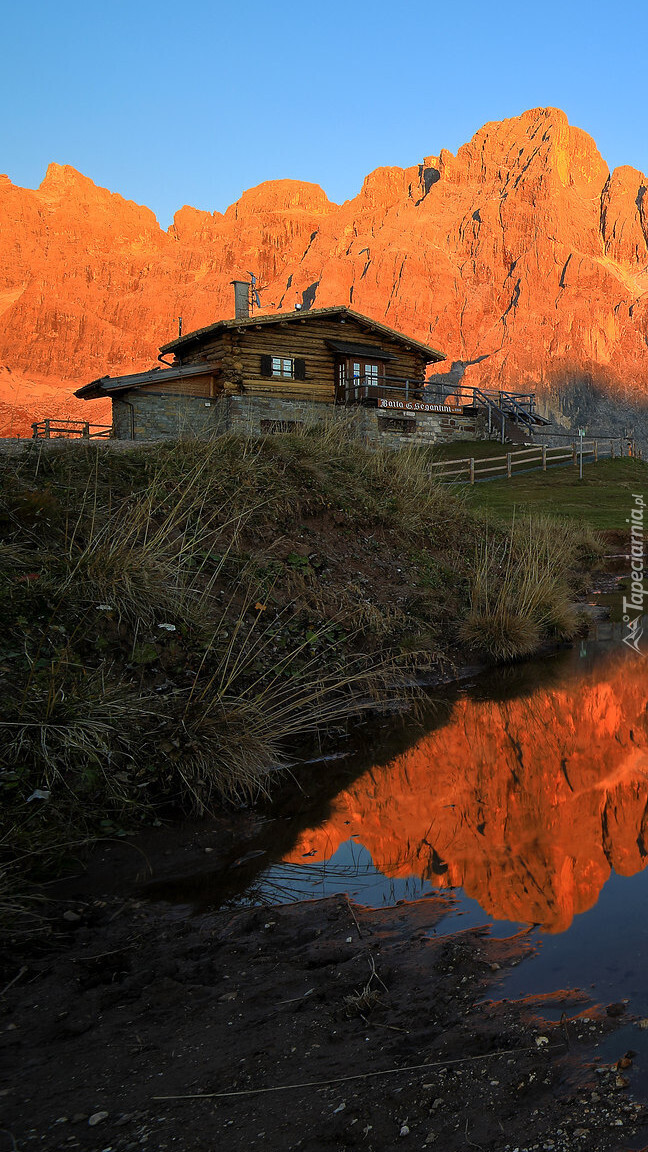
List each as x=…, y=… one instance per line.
x=527, y=804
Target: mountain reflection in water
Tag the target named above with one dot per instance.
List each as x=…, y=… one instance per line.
x=527, y=804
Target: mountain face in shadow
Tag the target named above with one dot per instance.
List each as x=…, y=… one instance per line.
x=522, y=257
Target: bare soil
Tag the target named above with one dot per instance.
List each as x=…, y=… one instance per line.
x=320, y=1025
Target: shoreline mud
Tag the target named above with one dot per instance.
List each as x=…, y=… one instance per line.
x=319, y=1025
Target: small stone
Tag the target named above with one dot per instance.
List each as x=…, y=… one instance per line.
x=71, y=917
x=644, y=1023
x=96, y=1118
x=404, y=1130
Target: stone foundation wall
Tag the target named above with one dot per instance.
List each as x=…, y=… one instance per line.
x=154, y=416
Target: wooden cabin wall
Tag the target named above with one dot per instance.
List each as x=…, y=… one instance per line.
x=208, y=386
x=239, y=351
x=308, y=342
x=205, y=352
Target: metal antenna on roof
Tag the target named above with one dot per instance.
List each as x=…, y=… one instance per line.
x=255, y=288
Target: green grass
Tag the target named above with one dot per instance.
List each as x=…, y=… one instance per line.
x=479, y=449
x=601, y=499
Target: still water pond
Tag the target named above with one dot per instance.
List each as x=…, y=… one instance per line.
x=525, y=797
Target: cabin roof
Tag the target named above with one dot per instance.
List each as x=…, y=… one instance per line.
x=366, y=351
x=430, y=354
x=106, y=385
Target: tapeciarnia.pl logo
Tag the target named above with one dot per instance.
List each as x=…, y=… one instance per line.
x=633, y=606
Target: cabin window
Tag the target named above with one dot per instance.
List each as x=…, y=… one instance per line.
x=366, y=373
x=283, y=367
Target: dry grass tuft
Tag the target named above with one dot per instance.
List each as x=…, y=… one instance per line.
x=519, y=592
x=229, y=733
x=362, y=1002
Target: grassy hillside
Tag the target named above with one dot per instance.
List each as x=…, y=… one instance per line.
x=601, y=499
x=173, y=618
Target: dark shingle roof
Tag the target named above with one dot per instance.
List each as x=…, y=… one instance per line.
x=311, y=313
x=106, y=385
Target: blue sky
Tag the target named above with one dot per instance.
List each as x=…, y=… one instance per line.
x=192, y=103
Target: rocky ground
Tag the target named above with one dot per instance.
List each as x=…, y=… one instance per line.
x=321, y=1025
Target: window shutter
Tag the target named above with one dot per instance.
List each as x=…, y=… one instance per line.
x=300, y=369
x=266, y=365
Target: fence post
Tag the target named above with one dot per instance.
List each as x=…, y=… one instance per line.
x=508, y=465
x=544, y=457
x=574, y=454
x=47, y=429
x=472, y=469
x=86, y=430
x=595, y=451
x=611, y=449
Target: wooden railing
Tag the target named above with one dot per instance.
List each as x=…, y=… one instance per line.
x=46, y=429
x=375, y=388
x=510, y=464
x=511, y=403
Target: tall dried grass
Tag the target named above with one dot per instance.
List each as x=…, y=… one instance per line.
x=519, y=590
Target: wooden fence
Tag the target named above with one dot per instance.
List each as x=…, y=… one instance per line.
x=46, y=429
x=540, y=456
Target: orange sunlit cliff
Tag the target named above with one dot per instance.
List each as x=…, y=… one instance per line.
x=526, y=803
x=522, y=249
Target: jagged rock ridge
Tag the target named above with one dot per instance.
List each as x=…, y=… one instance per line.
x=521, y=254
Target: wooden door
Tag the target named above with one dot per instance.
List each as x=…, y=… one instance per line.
x=357, y=381
x=341, y=382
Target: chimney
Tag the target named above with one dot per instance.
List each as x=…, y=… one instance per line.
x=241, y=299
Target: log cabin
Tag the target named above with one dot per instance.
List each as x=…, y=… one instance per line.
x=284, y=370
